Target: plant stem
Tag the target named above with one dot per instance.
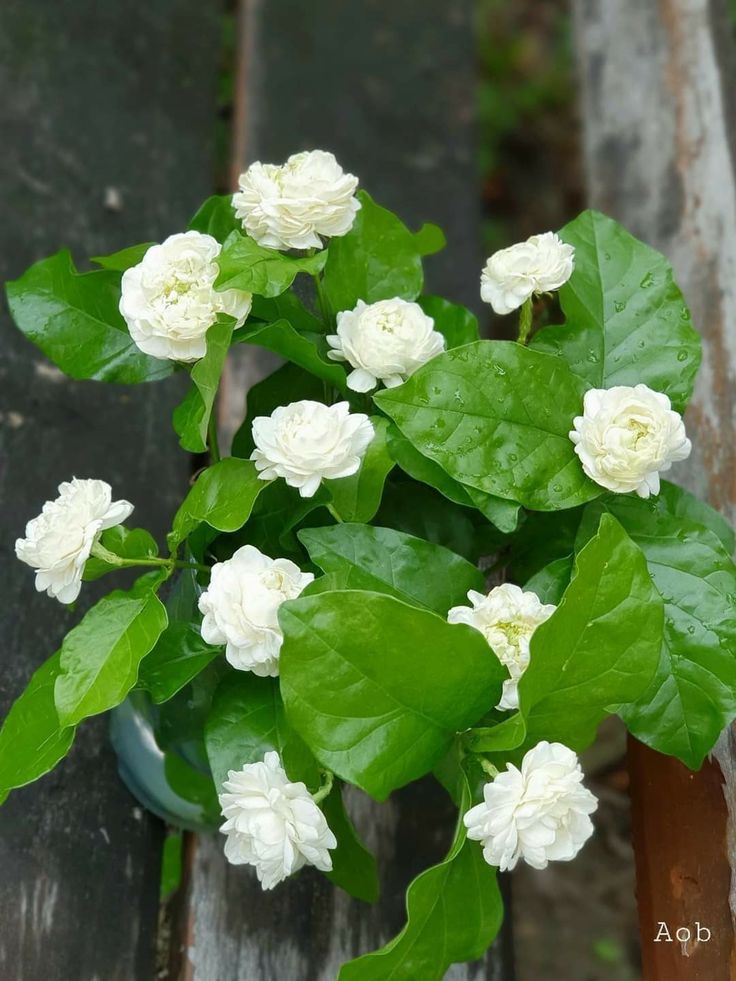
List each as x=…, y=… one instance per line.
x=197, y=566
x=212, y=441
x=322, y=304
x=100, y=552
x=325, y=787
x=163, y=563
x=333, y=512
x=525, y=321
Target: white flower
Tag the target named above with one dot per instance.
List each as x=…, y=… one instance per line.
x=59, y=541
x=507, y=617
x=273, y=824
x=627, y=436
x=305, y=442
x=540, y=265
x=540, y=813
x=291, y=206
x=384, y=341
x=169, y=300
x=241, y=607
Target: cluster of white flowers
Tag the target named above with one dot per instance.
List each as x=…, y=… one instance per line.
x=60, y=540
x=273, y=824
x=169, y=300
x=540, y=265
x=507, y=617
x=294, y=205
x=627, y=436
x=241, y=604
x=384, y=342
x=307, y=442
x=539, y=813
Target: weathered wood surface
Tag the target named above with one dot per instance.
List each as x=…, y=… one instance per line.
x=657, y=85
x=390, y=89
x=107, y=121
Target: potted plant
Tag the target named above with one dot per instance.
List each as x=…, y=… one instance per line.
x=426, y=553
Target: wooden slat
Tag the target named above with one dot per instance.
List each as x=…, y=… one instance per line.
x=659, y=129
x=390, y=89
x=107, y=122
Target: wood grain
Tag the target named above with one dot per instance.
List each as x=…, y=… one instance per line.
x=106, y=118
x=657, y=90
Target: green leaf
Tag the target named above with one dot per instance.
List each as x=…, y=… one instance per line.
x=484, y=412
x=101, y=655
x=378, y=259
x=74, y=319
x=192, y=416
x=245, y=265
x=454, y=911
x=599, y=648
x=179, y=723
x=171, y=864
x=32, y=741
x=167, y=669
x=277, y=513
x=627, y=322
x=430, y=239
x=552, y=580
x=222, y=497
x=357, y=498
x=179, y=655
x=288, y=383
x=692, y=697
x=125, y=258
x=127, y=543
x=542, y=538
x=194, y=786
x=353, y=867
x=328, y=584
x=247, y=721
x=377, y=688
x=503, y=514
x=289, y=307
x=283, y=339
x=679, y=503
x=183, y=597
x=387, y=561
x=216, y=217
x=457, y=324
x=419, y=511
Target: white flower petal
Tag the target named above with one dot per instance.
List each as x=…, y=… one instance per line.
x=542, y=264
x=626, y=436
x=507, y=617
x=59, y=541
x=307, y=442
x=240, y=608
x=386, y=340
x=293, y=206
x=538, y=815
x=273, y=824
x=169, y=300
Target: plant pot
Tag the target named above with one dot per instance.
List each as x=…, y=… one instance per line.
x=173, y=783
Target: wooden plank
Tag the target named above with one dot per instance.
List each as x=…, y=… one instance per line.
x=389, y=88
x=657, y=84
x=107, y=122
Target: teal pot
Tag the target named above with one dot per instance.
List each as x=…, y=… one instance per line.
x=161, y=759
